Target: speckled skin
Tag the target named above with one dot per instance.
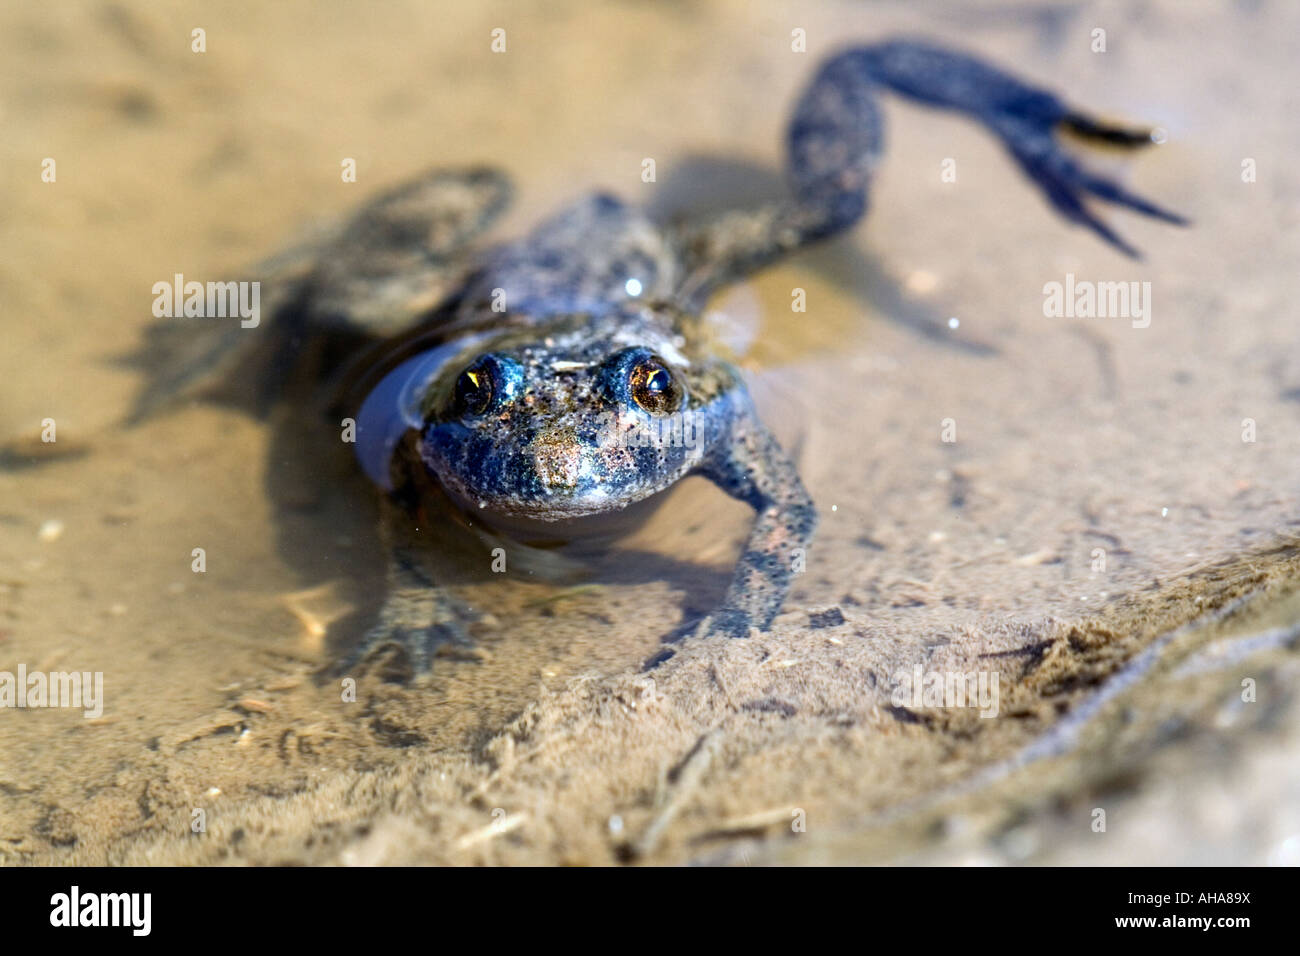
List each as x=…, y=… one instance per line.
x=563, y=324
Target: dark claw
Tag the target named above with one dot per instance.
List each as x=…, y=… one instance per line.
x=1126, y=137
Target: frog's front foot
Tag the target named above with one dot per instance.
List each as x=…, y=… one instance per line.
x=750, y=466
x=420, y=624
x=419, y=619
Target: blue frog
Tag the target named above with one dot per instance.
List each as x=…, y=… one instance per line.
x=567, y=375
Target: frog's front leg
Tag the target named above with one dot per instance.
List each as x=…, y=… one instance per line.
x=749, y=465
x=418, y=618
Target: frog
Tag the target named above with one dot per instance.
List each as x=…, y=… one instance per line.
x=543, y=383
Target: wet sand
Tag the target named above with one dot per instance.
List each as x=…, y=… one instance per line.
x=551, y=744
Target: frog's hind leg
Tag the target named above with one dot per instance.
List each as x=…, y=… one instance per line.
x=836, y=138
x=375, y=274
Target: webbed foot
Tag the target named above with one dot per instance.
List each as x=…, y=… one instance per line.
x=1048, y=161
x=420, y=624
x=419, y=619
x=1027, y=118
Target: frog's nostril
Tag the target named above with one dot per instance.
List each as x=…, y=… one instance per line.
x=557, y=458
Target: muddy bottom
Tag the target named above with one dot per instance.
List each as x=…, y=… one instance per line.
x=1050, y=612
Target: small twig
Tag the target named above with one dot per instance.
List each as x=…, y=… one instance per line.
x=493, y=829
x=689, y=776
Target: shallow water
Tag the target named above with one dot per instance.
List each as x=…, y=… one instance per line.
x=1073, y=436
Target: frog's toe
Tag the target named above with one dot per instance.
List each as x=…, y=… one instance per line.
x=1066, y=182
x=725, y=622
x=1111, y=191
x=412, y=645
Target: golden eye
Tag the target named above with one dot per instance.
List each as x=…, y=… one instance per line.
x=474, y=389
x=655, y=388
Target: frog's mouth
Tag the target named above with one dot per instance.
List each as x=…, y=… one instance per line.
x=548, y=528
x=543, y=487
x=548, y=484
x=555, y=474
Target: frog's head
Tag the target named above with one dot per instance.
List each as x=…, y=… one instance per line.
x=574, y=424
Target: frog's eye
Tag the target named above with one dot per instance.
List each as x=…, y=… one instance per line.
x=474, y=390
x=484, y=384
x=654, y=387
